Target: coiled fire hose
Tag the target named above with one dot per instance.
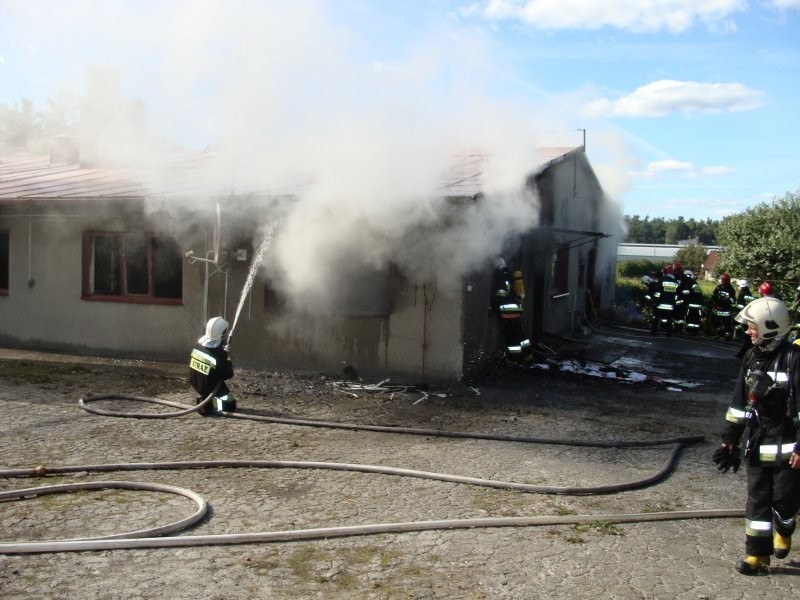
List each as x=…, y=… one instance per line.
x=139, y=539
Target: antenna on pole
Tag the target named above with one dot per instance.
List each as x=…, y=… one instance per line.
x=584, y=138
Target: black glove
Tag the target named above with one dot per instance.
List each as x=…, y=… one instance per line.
x=727, y=459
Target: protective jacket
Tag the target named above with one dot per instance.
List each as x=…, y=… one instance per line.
x=209, y=366
x=769, y=416
x=744, y=297
x=664, y=303
x=506, y=301
x=666, y=293
x=723, y=298
x=693, y=298
x=764, y=410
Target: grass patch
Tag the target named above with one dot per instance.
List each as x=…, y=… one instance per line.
x=29, y=371
x=662, y=506
x=603, y=527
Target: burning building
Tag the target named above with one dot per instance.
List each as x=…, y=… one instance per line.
x=131, y=262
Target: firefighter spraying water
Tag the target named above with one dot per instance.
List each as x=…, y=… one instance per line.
x=210, y=366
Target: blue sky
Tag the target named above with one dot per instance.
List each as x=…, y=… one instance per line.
x=689, y=108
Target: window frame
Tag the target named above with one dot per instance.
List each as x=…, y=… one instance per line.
x=121, y=268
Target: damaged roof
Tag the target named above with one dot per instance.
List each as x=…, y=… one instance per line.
x=30, y=176
x=465, y=176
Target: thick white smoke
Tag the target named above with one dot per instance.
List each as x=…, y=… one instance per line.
x=284, y=93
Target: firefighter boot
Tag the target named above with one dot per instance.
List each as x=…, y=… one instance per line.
x=753, y=565
x=782, y=545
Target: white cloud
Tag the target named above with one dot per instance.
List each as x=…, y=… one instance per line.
x=784, y=4
x=684, y=169
x=633, y=15
x=665, y=97
x=716, y=170
x=669, y=165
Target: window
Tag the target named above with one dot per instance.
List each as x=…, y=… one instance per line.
x=4, y=262
x=131, y=267
x=560, y=270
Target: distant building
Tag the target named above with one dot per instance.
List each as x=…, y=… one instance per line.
x=666, y=253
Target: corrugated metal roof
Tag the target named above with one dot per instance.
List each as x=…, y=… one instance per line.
x=465, y=175
x=28, y=176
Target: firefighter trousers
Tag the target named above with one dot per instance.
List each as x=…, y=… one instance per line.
x=773, y=499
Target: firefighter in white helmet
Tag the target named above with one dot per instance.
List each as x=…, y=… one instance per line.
x=765, y=409
x=210, y=365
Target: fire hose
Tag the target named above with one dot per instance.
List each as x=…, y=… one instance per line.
x=140, y=539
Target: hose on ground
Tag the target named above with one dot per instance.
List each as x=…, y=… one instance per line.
x=357, y=468
x=137, y=539
x=186, y=410
x=357, y=530
x=128, y=541
x=199, y=514
x=84, y=404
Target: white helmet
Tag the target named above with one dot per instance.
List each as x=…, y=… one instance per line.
x=646, y=279
x=688, y=273
x=743, y=283
x=499, y=263
x=771, y=317
x=216, y=330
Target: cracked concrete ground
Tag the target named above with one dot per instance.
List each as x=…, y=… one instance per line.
x=684, y=393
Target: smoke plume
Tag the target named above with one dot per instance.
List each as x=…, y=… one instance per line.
x=288, y=97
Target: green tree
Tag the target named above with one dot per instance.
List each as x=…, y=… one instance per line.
x=761, y=243
x=676, y=230
x=645, y=231
x=691, y=257
x=670, y=231
x=25, y=128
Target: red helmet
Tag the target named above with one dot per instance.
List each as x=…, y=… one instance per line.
x=765, y=289
x=677, y=267
x=667, y=270
x=725, y=278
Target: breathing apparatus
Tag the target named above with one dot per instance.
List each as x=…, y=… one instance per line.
x=759, y=384
x=519, y=286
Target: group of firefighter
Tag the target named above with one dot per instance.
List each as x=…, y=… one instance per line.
x=676, y=303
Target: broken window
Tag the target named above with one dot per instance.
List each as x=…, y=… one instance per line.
x=131, y=267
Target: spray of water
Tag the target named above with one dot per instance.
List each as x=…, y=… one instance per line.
x=258, y=257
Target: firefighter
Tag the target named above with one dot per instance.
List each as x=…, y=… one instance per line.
x=722, y=303
x=765, y=409
x=684, y=287
x=693, y=299
x=507, y=303
x=210, y=365
x=664, y=301
x=743, y=297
